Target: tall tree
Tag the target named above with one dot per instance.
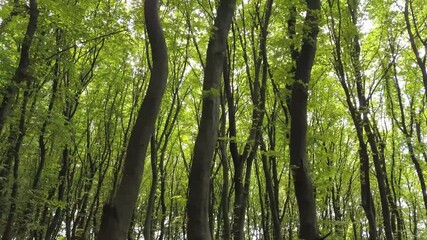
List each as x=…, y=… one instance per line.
x=199, y=180
x=23, y=70
x=366, y=193
x=303, y=184
x=257, y=82
x=117, y=213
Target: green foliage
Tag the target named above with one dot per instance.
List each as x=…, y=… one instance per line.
x=96, y=52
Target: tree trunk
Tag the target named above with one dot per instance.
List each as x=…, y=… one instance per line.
x=14, y=154
x=22, y=72
x=199, y=181
x=304, y=189
x=27, y=218
x=365, y=122
x=257, y=84
x=226, y=232
x=274, y=208
x=117, y=214
x=153, y=188
x=366, y=193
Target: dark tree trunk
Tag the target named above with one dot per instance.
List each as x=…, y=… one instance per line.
x=162, y=200
x=399, y=230
x=257, y=84
x=226, y=231
x=304, y=189
x=14, y=154
x=199, y=181
x=366, y=124
x=43, y=152
x=117, y=214
x=63, y=177
x=22, y=72
x=153, y=188
x=274, y=208
x=366, y=193
x=263, y=200
x=403, y=125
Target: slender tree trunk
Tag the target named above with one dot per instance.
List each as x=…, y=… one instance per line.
x=243, y=162
x=63, y=177
x=226, y=232
x=153, y=188
x=263, y=198
x=43, y=152
x=381, y=179
x=162, y=200
x=366, y=124
x=304, y=189
x=22, y=72
x=117, y=214
x=403, y=126
x=14, y=154
x=366, y=193
x=199, y=181
x=277, y=232
x=394, y=179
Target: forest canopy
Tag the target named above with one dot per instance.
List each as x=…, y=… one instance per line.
x=225, y=119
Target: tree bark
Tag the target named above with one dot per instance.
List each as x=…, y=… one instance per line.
x=13, y=153
x=366, y=193
x=274, y=208
x=36, y=182
x=22, y=72
x=257, y=84
x=153, y=188
x=366, y=123
x=304, y=189
x=199, y=180
x=117, y=214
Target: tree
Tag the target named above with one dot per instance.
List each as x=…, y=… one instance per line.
x=117, y=213
x=22, y=72
x=198, y=197
x=304, y=189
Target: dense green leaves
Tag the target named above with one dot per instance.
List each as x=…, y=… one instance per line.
x=64, y=139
